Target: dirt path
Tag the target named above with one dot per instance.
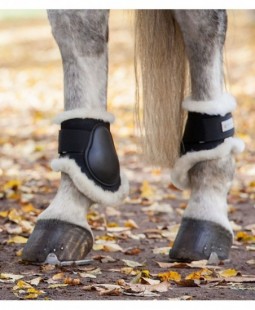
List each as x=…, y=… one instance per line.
x=133, y=239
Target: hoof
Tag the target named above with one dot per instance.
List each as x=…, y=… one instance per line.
x=198, y=239
x=57, y=242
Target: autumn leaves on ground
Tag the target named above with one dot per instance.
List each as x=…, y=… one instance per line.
x=130, y=255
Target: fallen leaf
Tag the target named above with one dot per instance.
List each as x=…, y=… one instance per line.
x=58, y=276
x=113, y=247
x=48, y=267
x=136, y=288
x=131, y=263
x=250, y=247
x=173, y=265
x=128, y=271
x=4, y=214
x=188, y=283
x=22, y=285
x=245, y=237
x=132, y=251
x=159, y=208
x=228, y=273
x=14, y=216
x=91, y=273
x=163, y=250
x=144, y=293
x=36, y=281
x=251, y=262
x=18, y=240
x=131, y=224
x=13, y=229
x=12, y=184
x=169, y=276
x=200, y=274
x=146, y=190
x=27, y=208
x=71, y=281
x=149, y=281
x=106, y=246
x=117, y=229
x=111, y=292
x=104, y=289
x=10, y=277
x=136, y=279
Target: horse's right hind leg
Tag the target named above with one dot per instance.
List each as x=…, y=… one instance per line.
x=206, y=165
x=88, y=162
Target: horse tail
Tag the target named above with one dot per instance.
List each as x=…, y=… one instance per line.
x=160, y=66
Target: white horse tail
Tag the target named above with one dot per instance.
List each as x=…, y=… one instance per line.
x=160, y=77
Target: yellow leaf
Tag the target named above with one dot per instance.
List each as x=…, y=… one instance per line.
x=146, y=190
x=112, y=224
x=4, y=213
x=30, y=208
x=245, y=237
x=19, y=253
x=252, y=184
x=34, y=291
x=169, y=276
x=106, y=238
x=17, y=239
x=145, y=273
x=12, y=184
x=131, y=224
x=14, y=216
x=228, y=273
x=31, y=296
x=203, y=273
x=22, y=285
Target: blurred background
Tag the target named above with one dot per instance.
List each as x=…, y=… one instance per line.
x=31, y=94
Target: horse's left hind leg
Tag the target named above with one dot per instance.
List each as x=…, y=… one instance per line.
x=206, y=165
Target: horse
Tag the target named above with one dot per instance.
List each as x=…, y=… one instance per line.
x=191, y=132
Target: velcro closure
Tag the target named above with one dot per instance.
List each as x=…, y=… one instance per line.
x=72, y=141
x=203, y=131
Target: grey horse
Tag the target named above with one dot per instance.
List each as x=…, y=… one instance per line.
x=193, y=134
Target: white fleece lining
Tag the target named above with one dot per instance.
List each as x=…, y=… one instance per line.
x=87, y=187
x=99, y=114
x=219, y=106
x=179, y=173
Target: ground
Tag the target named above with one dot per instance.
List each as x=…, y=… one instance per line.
x=130, y=256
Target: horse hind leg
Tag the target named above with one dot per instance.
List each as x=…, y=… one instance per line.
x=88, y=161
x=207, y=166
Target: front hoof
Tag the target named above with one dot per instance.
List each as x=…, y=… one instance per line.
x=197, y=239
x=57, y=242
